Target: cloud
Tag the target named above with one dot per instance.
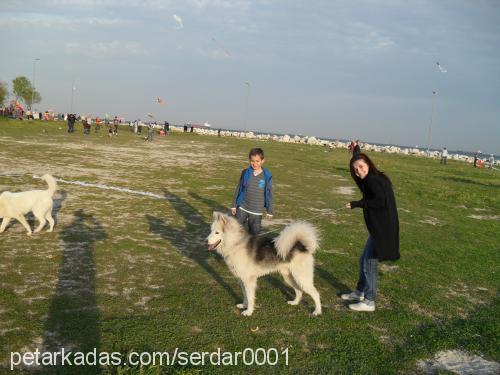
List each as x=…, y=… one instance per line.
x=41, y=20
x=364, y=37
x=104, y=49
x=179, y=21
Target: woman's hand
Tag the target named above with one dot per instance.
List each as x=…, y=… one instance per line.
x=348, y=205
x=233, y=211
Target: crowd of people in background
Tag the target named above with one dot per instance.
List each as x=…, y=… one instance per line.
x=14, y=110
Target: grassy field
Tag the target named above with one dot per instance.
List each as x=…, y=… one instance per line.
x=124, y=272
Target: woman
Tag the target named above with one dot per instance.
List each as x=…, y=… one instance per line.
x=381, y=219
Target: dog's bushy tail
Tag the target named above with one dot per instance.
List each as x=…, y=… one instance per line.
x=51, y=181
x=299, y=231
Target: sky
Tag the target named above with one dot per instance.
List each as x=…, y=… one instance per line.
x=339, y=69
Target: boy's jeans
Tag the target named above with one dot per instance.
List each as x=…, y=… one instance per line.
x=250, y=222
x=368, y=269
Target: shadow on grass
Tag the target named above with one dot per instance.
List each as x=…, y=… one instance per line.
x=188, y=240
x=332, y=280
x=73, y=321
x=476, y=333
x=471, y=182
x=63, y=194
x=215, y=206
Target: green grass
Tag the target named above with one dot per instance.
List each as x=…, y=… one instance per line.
x=124, y=272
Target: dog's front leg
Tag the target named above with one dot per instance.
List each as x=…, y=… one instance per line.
x=5, y=222
x=25, y=224
x=250, y=286
x=245, y=302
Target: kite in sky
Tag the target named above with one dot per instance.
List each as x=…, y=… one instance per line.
x=441, y=69
x=159, y=100
x=179, y=21
x=221, y=47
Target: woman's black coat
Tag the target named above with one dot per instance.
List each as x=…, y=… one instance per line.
x=381, y=215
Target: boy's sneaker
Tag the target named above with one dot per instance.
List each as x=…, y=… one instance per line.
x=353, y=296
x=362, y=306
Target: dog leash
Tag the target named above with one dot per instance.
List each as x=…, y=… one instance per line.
x=311, y=218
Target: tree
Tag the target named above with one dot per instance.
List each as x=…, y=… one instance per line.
x=24, y=90
x=4, y=92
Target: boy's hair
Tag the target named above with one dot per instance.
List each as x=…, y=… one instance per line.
x=256, y=151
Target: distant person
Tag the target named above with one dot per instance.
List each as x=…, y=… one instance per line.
x=115, y=125
x=150, y=132
x=350, y=148
x=192, y=128
x=71, y=123
x=87, y=125
x=491, y=161
x=185, y=128
x=444, y=156
x=253, y=193
x=98, y=123
x=166, y=127
x=381, y=219
x=476, y=157
x=356, y=149
x=218, y=133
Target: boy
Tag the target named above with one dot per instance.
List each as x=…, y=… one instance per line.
x=253, y=193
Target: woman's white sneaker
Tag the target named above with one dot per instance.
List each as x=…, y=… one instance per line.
x=362, y=306
x=353, y=296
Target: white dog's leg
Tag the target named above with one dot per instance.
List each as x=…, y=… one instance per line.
x=41, y=219
x=291, y=283
x=49, y=218
x=5, y=222
x=25, y=224
x=250, y=286
x=245, y=302
x=304, y=277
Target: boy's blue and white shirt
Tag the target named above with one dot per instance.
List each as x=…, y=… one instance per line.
x=254, y=193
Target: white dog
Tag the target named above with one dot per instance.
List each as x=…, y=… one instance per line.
x=249, y=257
x=16, y=205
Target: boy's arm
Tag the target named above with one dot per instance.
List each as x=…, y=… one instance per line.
x=236, y=192
x=270, y=211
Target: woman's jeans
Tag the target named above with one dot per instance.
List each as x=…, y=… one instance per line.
x=368, y=269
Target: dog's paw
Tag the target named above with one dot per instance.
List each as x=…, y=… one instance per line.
x=241, y=306
x=316, y=313
x=293, y=302
x=247, y=312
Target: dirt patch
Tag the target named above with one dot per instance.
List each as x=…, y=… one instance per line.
x=388, y=268
x=345, y=190
x=430, y=220
x=459, y=362
x=485, y=217
x=419, y=310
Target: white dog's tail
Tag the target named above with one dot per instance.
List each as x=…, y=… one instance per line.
x=299, y=231
x=51, y=181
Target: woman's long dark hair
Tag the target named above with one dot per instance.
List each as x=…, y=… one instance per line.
x=372, y=169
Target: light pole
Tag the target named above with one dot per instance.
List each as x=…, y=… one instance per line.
x=246, y=107
x=73, y=88
x=429, y=139
x=34, y=77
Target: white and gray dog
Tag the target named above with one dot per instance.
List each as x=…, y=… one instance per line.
x=250, y=257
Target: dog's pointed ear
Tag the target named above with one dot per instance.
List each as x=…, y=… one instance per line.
x=223, y=218
x=219, y=216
